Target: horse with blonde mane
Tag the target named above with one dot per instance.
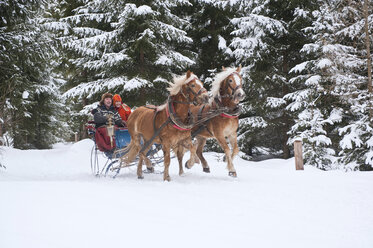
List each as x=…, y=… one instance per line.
x=226, y=93
x=167, y=125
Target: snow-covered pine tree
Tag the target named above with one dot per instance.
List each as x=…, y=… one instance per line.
x=127, y=47
x=355, y=88
x=267, y=40
x=27, y=103
x=210, y=30
x=335, y=95
x=317, y=109
x=63, y=71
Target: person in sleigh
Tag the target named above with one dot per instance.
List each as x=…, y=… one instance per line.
x=105, y=117
x=123, y=109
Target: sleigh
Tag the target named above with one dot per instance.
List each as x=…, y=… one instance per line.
x=107, y=151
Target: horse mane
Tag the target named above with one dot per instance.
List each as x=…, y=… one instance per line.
x=219, y=78
x=178, y=82
x=162, y=107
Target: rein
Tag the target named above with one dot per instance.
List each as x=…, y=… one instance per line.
x=178, y=124
x=172, y=117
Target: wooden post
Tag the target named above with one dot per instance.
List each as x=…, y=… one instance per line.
x=298, y=155
x=76, y=137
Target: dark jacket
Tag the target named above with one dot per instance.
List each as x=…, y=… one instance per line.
x=100, y=116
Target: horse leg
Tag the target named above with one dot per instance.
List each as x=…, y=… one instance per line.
x=134, y=148
x=167, y=159
x=179, y=150
x=193, y=155
x=196, y=158
x=149, y=165
x=201, y=142
x=223, y=143
x=192, y=148
x=233, y=142
x=148, y=162
x=139, y=167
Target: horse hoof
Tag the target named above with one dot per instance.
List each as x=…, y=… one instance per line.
x=140, y=177
x=232, y=174
x=150, y=169
x=207, y=170
x=168, y=178
x=186, y=165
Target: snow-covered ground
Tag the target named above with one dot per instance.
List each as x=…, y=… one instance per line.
x=48, y=198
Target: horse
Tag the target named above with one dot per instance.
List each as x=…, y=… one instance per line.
x=226, y=93
x=167, y=125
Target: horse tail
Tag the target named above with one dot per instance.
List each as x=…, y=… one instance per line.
x=134, y=148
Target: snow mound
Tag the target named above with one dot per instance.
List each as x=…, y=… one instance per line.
x=82, y=145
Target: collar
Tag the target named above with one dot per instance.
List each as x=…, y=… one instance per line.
x=170, y=108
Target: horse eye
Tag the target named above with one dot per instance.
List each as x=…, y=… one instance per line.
x=230, y=80
x=192, y=86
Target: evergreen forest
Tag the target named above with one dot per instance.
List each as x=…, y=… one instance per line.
x=306, y=68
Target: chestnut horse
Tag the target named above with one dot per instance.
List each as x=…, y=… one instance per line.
x=226, y=93
x=167, y=125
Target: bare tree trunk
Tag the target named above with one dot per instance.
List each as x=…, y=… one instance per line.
x=369, y=59
x=1, y=123
x=286, y=118
x=1, y=135
x=83, y=132
x=286, y=148
x=142, y=61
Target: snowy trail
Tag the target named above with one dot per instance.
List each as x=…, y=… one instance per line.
x=49, y=199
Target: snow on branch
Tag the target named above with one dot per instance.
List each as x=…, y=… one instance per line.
x=91, y=88
x=87, y=31
x=275, y=102
x=251, y=31
x=299, y=68
x=171, y=33
x=80, y=18
x=106, y=60
x=254, y=122
x=174, y=59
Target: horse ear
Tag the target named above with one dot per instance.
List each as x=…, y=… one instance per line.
x=223, y=68
x=239, y=68
x=188, y=74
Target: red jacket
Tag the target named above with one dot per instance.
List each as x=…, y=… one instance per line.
x=124, y=111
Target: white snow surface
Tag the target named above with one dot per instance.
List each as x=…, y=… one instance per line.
x=50, y=199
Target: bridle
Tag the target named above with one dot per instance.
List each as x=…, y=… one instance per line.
x=234, y=113
x=187, y=95
x=228, y=85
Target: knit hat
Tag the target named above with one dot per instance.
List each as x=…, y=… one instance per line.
x=117, y=98
x=106, y=95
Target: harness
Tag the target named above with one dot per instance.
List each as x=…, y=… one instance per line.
x=204, y=124
x=172, y=116
x=201, y=121
x=232, y=114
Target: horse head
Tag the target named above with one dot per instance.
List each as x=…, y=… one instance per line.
x=227, y=86
x=190, y=87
